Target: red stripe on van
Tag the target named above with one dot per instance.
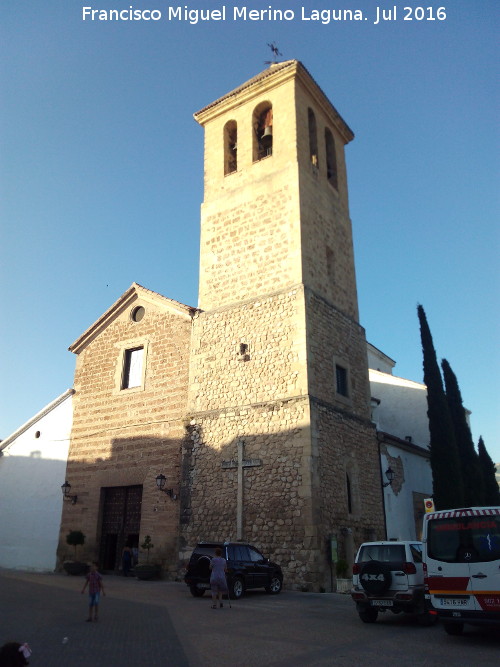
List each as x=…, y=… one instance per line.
x=489, y=601
x=448, y=583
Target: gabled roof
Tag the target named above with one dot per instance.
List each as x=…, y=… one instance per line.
x=377, y=352
x=45, y=411
x=271, y=71
x=274, y=74
x=134, y=292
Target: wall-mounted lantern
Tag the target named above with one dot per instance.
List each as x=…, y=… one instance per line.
x=389, y=473
x=161, y=480
x=66, y=488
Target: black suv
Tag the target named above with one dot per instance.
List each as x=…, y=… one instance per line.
x=246, y=568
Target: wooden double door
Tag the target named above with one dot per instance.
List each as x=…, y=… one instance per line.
x=120, y=527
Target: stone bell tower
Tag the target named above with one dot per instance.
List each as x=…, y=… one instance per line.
x=280, y=449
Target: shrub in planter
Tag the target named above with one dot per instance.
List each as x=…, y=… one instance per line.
x=344, y=584
x=75, y=538
x=341, y=568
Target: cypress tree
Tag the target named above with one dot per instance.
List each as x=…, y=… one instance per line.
x=488, y=470
x=445, y=464
x=472, y=478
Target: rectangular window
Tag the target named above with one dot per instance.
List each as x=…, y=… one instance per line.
x=416, y=552
x=391, y=554
x=242, y=554
x=349, y=495
x=463, y=539
x=341, y=380
x=132, y=368
x=329, y=262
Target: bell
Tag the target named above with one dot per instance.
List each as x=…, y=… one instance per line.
x=267, y=138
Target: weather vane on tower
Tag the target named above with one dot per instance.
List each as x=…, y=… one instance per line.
x=276, y=53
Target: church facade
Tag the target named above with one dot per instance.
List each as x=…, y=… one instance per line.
x=255, y=406
x=131, y=382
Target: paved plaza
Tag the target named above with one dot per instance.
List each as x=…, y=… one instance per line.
x=151, y=623
x=160, y=623
x=49, y=612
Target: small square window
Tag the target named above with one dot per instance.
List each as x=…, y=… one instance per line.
x=132, y=368
x=341, y=380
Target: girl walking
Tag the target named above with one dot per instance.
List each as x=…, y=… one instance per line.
x=218, y=584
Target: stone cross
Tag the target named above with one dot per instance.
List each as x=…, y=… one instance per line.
x=240, y=464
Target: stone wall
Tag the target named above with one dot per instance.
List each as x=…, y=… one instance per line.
x=344, y=445
x=256, y=394
x=262, y=395
x=277, y=494
x=334, y=338
x=271, y=366
x=246, y=249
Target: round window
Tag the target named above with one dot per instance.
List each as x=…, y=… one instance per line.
x=138, y=313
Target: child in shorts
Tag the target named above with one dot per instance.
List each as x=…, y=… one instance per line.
x=96, y=586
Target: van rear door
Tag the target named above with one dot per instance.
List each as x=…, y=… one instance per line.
x=462, y=558
x=484, y=566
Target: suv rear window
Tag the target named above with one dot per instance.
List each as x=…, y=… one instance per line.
x=204, y=550
x=387, y=553
x=448, y=540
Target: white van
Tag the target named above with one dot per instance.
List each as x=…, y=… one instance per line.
x=462, y=566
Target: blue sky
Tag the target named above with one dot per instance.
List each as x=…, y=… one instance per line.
x=101, y=170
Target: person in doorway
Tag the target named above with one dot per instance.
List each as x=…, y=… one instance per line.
x=135, y=555
x=218, y=583
x=126, y=560
x=96, y=587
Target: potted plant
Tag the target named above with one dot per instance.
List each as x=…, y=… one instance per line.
x=147, y=570
x=75, y=538
x=344, y=583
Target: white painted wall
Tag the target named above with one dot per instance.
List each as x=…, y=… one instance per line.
x=32, y=470
x=399, y=510
x=378, y=360
x=402, y=410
